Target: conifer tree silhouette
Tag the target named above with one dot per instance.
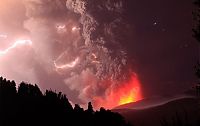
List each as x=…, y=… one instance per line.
x=28, y=106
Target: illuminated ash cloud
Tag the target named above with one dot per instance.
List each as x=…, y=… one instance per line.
x=102, y=24
x=81, y=43
x=54, y=31
x=17, y=61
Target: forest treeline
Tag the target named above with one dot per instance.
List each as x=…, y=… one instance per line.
x=28, y=106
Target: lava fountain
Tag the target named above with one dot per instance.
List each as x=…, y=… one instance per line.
x=124, y=93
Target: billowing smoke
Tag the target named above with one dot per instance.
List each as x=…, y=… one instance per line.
x=81, y=43
x=102, y=22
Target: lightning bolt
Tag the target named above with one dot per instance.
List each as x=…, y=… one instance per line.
x=68, y=65
x=61, y=26
x=95, y=59
x=75, y=29
x=16, y=44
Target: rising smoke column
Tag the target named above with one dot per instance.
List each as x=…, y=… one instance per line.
x=102, y=22
x=81, y=43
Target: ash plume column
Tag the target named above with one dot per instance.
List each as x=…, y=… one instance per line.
x=102, y=22
x=80, y=44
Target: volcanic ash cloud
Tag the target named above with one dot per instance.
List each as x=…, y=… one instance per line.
x=81, y=42
x=101, y=23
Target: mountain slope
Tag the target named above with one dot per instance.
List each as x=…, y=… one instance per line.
x=185, y=109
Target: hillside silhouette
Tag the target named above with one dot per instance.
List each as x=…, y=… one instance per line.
x=178, y=112
x=28, y=106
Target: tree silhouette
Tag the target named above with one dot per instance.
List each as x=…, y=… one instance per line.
x=78, y=109
x=90, y=108
x=29, y=106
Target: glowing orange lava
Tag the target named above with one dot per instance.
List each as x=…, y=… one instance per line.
x=130, y=92
x=122, y=94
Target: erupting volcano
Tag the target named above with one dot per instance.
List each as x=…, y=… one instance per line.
x=74, y=50
x=130, y=92
x=127, y=92
x=96, y=51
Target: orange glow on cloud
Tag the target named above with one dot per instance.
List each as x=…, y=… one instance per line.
x=124, y=93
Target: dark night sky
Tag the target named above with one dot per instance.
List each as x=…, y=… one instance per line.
x=163, y=45
x=159, y=43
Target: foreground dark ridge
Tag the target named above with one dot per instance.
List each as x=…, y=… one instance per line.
x=29, y=106
x=179, y=112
